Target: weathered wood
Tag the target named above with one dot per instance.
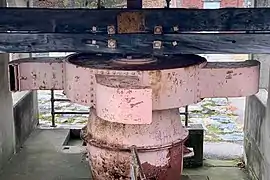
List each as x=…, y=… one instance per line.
x=139, y=43
x=133, y=4
x=82, y=20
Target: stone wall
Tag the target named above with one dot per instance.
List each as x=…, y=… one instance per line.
x=257, y=139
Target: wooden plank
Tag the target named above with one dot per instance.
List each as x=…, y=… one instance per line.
x=82, y=20
x=138, y=43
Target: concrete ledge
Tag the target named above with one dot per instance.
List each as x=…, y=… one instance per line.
x=25, y=112
x=255, y=136
x=18, y=96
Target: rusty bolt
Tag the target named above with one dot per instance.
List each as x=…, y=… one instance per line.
x=94, y=29
x=174, y=43
x=175, y=28
x=112, y=43
x=157, y=44
x=158, y=30
x=111, y=29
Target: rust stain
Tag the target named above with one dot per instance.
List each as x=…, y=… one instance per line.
x=130, y=22
x=229, y=76
x=155, y=83
x=170, y=171
x=129, y=99
x=135, y=104
x=23, y=78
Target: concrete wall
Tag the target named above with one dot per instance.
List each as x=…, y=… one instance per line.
x=256, y=136
x=265, y=65
x=25, y=112
x=7, y=132
x=18, y=111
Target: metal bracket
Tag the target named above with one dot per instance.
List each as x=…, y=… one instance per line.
x=130, y=22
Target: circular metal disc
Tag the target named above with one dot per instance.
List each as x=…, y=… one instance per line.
x=148, y=62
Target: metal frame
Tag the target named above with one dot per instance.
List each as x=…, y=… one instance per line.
x=53, y=112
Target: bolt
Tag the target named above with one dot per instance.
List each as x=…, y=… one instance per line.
x=94, y=29
x=174, y=43
x=175, y=28
x=111, y=30
x=112, y=43
x=157, y=44
x=158, y=30
x=94, y=42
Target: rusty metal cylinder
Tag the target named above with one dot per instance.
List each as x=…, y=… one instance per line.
x=159, y=145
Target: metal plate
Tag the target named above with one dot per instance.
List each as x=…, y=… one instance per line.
x=130, y=22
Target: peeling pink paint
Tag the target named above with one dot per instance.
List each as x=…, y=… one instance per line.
x=171, y=88
x=126, y=101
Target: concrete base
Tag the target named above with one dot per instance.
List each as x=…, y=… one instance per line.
x=44, y=157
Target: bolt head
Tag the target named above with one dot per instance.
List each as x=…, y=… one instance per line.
x=111, y=29
x=175, y=28
x=174, y=43
x=94, y=29
x=157, y=44
x=158, y=30
x=111, y=43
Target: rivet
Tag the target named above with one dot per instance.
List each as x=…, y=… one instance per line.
x=175, y=28
x=94, y=42
x=157, y=44
x=158, y=30
x=174, y=43
x=112, y=43
x=111, y=29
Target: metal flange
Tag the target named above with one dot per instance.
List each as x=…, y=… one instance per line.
x=169, y=82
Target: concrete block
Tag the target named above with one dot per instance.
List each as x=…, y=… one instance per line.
x=25, y=117
x=257, y=136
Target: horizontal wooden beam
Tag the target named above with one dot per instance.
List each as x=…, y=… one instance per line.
x=83, y=20
x=137, y=43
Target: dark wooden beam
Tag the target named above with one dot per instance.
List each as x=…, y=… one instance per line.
x=139, y=43
x=134, y=4
x=82, y=20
